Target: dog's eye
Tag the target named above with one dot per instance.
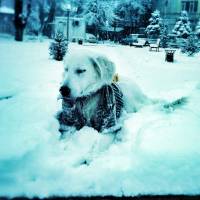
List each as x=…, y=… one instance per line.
x=80, y=71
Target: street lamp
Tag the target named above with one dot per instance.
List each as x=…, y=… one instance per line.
x=67, y=8
x=107, y=29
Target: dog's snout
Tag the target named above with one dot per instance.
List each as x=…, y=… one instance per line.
x=65, y=91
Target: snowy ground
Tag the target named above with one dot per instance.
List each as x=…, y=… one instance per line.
x=158, y=152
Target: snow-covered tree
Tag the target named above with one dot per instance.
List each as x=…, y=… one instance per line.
x=41, y=15
x=128, y=14
x=58, y=47
x=197, y=31
x=47, y=29
x=108, y=8
x=182, y=27
x=94, y=15
x=33, y=23
x=191, y=46
x=154, y=29
x=80, y=5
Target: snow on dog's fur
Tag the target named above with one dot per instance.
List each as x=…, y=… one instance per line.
x=89, y=95
x=86, y=73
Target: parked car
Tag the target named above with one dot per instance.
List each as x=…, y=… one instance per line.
x=78, y=40
x=91, y=38
x=129, y=40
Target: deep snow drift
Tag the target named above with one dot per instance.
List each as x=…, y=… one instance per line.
x=157, y=152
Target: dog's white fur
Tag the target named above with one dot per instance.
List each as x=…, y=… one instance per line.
x=98, y=70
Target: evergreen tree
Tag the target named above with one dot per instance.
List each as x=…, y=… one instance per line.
x=198, y=29
x=154, y=29
x=191, y=46
x=164, y=37
x=182, y=27
x=58, y=47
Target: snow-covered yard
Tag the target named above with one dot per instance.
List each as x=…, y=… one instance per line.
x=158, y=152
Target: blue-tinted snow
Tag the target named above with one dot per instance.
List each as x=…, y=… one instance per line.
x=156, y=153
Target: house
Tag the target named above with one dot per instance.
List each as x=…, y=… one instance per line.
x=171, y=9
x=6, y=16
x=77, y=27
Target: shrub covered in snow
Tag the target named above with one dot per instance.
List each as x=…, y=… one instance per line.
x=153, y=30
x=58, y=47
x=191, y=46
x=198, y=29
x=182, y=27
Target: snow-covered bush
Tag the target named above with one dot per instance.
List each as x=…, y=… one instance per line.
x=191, y=46
x=58, y=47
x=198, y=29
x=182, y=27
x=153, y=30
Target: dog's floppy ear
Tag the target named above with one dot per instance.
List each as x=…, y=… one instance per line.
x=107, y=68
x=96, y=67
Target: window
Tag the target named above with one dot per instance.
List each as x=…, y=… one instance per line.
x=190, y=6
x=76, y=23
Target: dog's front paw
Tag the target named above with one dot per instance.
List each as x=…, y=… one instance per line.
x=64, y=130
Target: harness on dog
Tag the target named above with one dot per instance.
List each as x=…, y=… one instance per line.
x=108, y=110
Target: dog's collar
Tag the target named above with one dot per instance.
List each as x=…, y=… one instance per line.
x=88, y=96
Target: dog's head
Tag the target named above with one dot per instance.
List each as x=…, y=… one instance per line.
x=85, y=72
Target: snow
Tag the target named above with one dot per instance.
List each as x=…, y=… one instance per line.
x=6, y=10
x=157, y=151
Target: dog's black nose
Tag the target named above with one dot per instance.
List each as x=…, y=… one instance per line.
x=65, y=91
